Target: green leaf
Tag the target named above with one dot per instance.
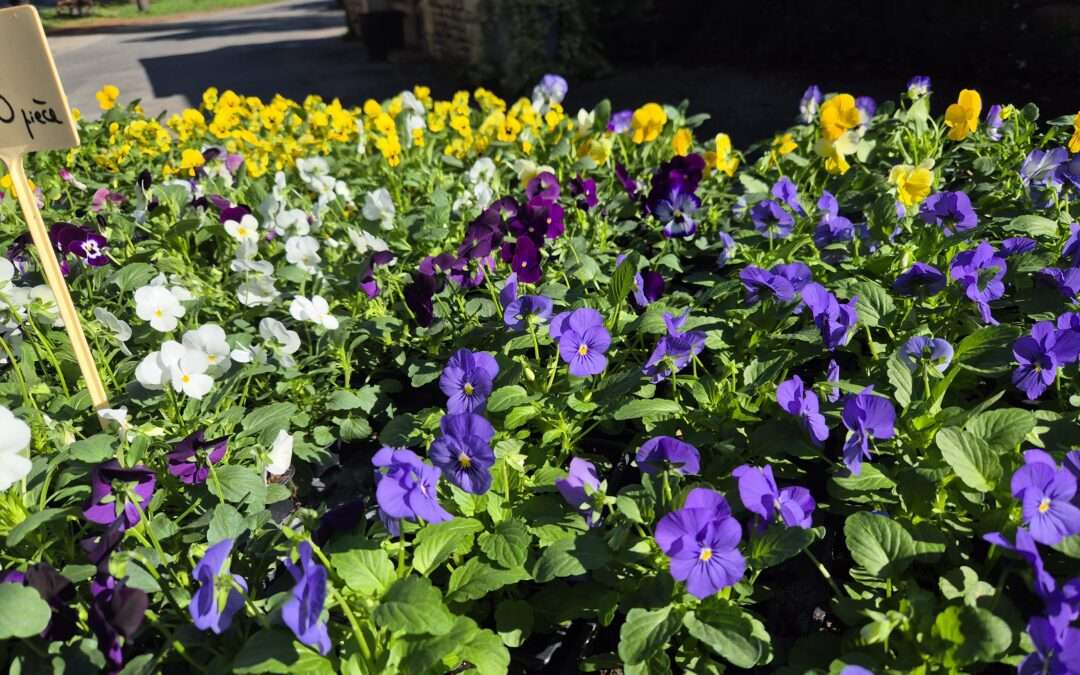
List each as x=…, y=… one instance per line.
x=730, y=632
x=23, y=613
x=872, y=302
x=977, y=634
x=507, y=543
x=505, y=398
x=900, y=378
x=645, y=632
x=520, y=416
x=226, y=523
x=435, y=543
x=1002, y=429
x=571, y=557
x=1033, y=226
x=879, y=544
x=653, y=407
x=32, y=522
x=475, y=579
x=367, y=571
x=268, y=651
x=778, y=544
x=343, y=399
x=413, y=606
x=132, y=276
x=486, y=652
x=514, y=621
x=268, y=417
x=970, y=457
x=622, y=281
x=238, y=484
x=97, y=448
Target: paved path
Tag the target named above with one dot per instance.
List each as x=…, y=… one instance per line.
x=295, y=47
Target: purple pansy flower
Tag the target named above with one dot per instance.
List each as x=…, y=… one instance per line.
x=1041, y=354
x=676, y=213
x=835, y=321
x=191, y=460
x=1041, y=174
x=673, y=351
x=585, y=191
x=406, y=489
x=628, y=182
x=368, y=284
x=301, y=612
x=803, y=403
x=808, y=104
x=833, y=378
x=582, y=341
x=520, y=311
x=784, y=190
x=771, y=220
x=832, y=227
x=917, y=86
x=418, y=297
x=526, y=261
x=702, y=542
x=217, y=600
x=920, y=279
x=925, y=349
x=1066, y=281
x=1057, y=651
x=545, y=186
x=665, y=452
x=1046, y=493
x=866, y=415
x=1017, y=246
x=648, y=287
x=727, y=248
x=116, y=612
x=117, y=493
x=980, y=272
x=463, y=452
x=467, y=380
x=951, y=211
x=760, y=495
x=994, y=122
x=580, y=483
x=620, y=121
x=756, y=280
x=867, y=106
x=1071, y=250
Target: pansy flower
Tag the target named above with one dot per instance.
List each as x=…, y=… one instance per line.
x=866, y=416
x=577, y=488
x=217, y=600
x=1041, y=354
x=191, y=459
x=980, y=272
x=118, y=493
x=771, y=220
x=832, y=227
x=920, y=279
x=675, y=350
x=405, y=488
x=1017, y=246
x=115, y=614
x=760, y=495
x=951, y=211
x=1057, y=652
x=463, y=451
x=796, y=400
x=301, y=613
x=584, y=189
x=664, y=453
x=836, y=321
x=925, y=349
x=702, y=542
x=808, y=104
x=582, y=340
x=467, y=380
x=1046, y=492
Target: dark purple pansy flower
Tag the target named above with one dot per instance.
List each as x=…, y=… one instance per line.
x=771, y=220
x=1017, y=246
x=994, y=122
x=679, y=174
x=923, y=349
x=920, y=279
x=116, y=612
x=673, y=351
x=761, y=496
x=545, y=185
x=580, y=483
x=117, y=493
x=301, y=612
x=832, y=227
x=406, y=489
x=648, y=287
x=582, y=341
x=463, y=452
x=584, y=189
x=520, y=311
x=620, y=121
x=1046, y=494
x=1057, y=652
x=83, y=242
x=1066, y=281
x=980, y=272
x=467, y=380
x=866, y=415
x=98, y=548
x=833, y=378
x=56, y=590
x=191, y=460
x=484, y=234
x=951, y=211
x=808, y=104
x=727, y=248
x=796, y=400
x=665, y=453
x=1041, y=354
x=538, y=219
x=229, y=211
x=835, y=321
x=418, y=298
x=756, y=281
x=217, y=600
x=368, y=284
x=628, y=182
x=785, y=191
x=702, y=541
x=676, y=213
x=1070, y=171
x=526, y=261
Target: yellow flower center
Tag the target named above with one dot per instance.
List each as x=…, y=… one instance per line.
x=242, y=231
x=158, y=313
x=583, y=349
x=706, y=554
x=468, y=389
x=464, y=460
x=1044, y=505
x=185, y=378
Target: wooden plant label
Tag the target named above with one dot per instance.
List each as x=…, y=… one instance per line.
x=34, y=115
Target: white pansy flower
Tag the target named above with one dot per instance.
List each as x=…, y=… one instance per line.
x=114, y=418
x=585, y=121
x=245, y=259
x=210, y=340
x=281, y=452
x=155, y=370
x=292, y=220
x=256, y=291
x=366, y=242
x=246, y=228
x=379, y=207
x=526, y=170
x=312, y=168
x=182, y=294
x=316, y=311
x=159, y=306
x=482, y=171
x=248, y=354
x=188, y=374
x=14, y=439
x=121, y=330
x=282, y=341
x=7, y=272
x=303, y=252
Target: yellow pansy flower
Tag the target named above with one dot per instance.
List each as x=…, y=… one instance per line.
x=682, y=142
x=1074, y=142
x=835, y=152
x=962, y=117
x=647, y=122
x=107, y=97
x=913, y=183
x=7, y=186
x=598, y=149
x=783, y=144
x=722, y=158
x=838, y=114
x=76, y=114
x=191, y=160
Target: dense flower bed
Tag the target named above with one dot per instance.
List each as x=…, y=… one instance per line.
x=437, y=385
